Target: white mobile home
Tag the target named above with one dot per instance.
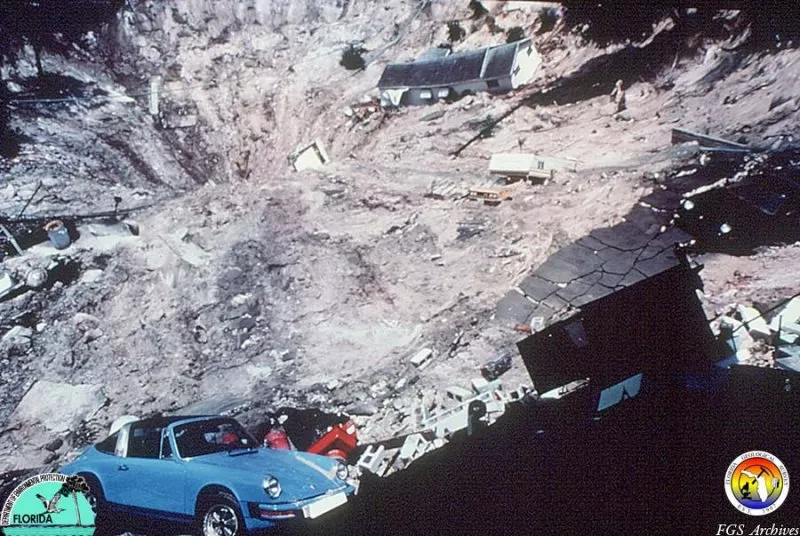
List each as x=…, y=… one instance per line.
x=528, y=166
x=498, y=68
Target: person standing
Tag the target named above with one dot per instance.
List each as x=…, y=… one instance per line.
x=618, y=96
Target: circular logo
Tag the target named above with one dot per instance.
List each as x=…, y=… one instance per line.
x=49, y=503
x=757, y=483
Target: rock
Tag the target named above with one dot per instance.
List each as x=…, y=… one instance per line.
x=8, y=193
x=246, y=323
x=16, y=342
x=18, y=332
x=85, y=321
x=213, y=406
x=36, y=277
x=433, y=116
x=361, y=408
x=181, y=121
x=59, y=407
x=379, y=389
x=133, y=226
x=54, y=445
x=332, y=385
x=199, y=334
x=90, y=276
x=497, y=367
x=92, y=335
x=13, y=87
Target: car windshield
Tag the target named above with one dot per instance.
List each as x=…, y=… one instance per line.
x=199, y=438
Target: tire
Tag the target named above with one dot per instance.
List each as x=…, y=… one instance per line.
x=102, y=516
x=219, y=515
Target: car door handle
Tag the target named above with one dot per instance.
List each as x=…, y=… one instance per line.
x=122, y=467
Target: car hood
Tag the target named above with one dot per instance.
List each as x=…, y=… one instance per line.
x=301, y=475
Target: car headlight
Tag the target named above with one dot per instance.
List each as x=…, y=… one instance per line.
x=341, y=471
x=271, y=486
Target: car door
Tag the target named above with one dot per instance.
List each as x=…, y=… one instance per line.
x=146, y=481
x=104, y=465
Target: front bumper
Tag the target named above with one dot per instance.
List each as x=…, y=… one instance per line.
x=260, y=516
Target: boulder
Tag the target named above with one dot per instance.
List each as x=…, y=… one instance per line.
x=18, y=332
x=85, y=321
x=497, y=367
x=59, y=407
x=214, y=405
x=16, y=341
x=361, y=409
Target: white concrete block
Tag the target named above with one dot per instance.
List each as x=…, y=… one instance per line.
x=495, y=406
x=459, y=393
x=794, y=329
x=788, y=338
x=755, y=323
x=740, y=341
x=411, y=447
x=422, y=357
x=372, y=459
x=6, y=283
x=790, y=314
x=479, y=385
x=452, y=422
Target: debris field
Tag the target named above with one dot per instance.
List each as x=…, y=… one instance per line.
x=266, y=233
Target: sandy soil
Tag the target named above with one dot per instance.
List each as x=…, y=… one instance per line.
x=251, y=284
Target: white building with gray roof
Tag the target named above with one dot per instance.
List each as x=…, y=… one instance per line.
x=496, y=69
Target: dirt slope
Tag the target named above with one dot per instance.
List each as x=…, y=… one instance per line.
x=250, y=283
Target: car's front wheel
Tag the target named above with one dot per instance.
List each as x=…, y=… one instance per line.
x=220, y=516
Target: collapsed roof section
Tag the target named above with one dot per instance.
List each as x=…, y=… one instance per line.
x=606, y=261
x=655, y=326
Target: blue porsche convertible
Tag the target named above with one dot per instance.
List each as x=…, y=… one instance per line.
x=207, y=471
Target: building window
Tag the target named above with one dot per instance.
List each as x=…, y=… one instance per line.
x=492, y=83
x=540, y=164
x=530, y=50
x=517, y=69
x=425, y=94
x=442, y=93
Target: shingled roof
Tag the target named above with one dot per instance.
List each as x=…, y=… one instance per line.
x=486, y=63
x=612, y=258
x=595, y=266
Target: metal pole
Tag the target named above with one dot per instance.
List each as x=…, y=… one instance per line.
x=36, y=191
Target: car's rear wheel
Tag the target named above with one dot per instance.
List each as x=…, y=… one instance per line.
x=97, y=500
x=220, y=516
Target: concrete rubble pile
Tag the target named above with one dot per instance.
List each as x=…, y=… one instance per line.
x=363, y=112
x=471, y=409
x=749, y=338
